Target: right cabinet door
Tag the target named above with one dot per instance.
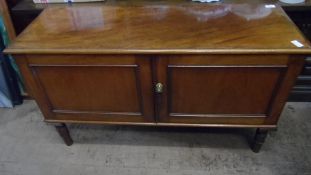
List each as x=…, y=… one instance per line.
x=224, y=89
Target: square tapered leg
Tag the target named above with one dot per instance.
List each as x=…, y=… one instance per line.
x=64, y=133
x=259, y=139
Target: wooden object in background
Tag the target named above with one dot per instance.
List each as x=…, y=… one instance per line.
x=302, y=88
x=62, y=1
x=218, y=65
x=7, y=19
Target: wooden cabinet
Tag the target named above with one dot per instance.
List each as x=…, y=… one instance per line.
x=143, y=65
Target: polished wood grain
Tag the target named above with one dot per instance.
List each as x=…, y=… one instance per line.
x=188, y=28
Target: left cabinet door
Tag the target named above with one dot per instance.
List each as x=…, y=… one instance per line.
x=92, y=88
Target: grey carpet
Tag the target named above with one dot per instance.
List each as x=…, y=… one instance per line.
x=28, y=146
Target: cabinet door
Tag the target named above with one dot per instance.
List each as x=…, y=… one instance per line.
x=92, y=88
x=231, y=89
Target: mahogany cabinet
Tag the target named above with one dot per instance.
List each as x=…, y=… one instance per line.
x=143, y=65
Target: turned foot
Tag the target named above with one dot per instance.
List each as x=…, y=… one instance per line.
x=259, y=139
x=64, y=133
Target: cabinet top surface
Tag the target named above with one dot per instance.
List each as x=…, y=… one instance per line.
x=183, y=28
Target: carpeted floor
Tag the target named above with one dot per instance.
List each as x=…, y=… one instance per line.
x=28, y=146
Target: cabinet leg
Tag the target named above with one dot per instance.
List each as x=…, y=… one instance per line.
x=64, y=133
x=259, y=139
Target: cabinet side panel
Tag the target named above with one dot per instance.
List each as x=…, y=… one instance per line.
x=295, y=65
x=33, y=87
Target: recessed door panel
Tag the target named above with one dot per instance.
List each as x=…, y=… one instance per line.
x=97, y=88
x=221, y=90
x=229, y=89
x=91, y=88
